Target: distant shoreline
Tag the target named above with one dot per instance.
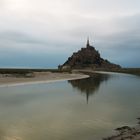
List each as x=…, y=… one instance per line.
x=13, y=77
x=134, y=71
x=22, y=71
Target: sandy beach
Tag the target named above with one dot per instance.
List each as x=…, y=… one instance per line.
x=38, y=77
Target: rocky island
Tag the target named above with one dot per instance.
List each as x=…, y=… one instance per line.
x=88, y=57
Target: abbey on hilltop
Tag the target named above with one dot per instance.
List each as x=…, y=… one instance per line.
x=88, y=57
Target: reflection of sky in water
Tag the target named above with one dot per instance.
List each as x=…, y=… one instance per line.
x=58, y=112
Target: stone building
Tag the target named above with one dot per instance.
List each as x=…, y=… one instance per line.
x=88, y=57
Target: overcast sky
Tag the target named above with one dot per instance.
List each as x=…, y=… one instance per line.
x=44, y=33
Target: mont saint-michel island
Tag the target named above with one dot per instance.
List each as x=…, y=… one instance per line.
x=88, y=57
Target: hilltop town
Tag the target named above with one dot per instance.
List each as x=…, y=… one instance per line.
x=88, y=57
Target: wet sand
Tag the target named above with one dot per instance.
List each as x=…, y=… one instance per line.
x=38, y=77
x=126, y=133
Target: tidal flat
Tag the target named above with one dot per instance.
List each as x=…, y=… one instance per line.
x=85, y=109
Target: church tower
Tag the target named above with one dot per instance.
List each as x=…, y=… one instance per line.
x=88, y=44
x=88, y=41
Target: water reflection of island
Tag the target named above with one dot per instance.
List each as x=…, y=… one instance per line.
x=89, y=85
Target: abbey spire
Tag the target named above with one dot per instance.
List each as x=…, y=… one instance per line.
x=88, y=45
x=88, y=41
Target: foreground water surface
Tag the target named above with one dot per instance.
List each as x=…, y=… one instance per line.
x=87, y=109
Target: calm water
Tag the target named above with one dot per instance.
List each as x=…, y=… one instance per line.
x=86, y=109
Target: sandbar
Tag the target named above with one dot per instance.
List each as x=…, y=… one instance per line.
x=39, y=77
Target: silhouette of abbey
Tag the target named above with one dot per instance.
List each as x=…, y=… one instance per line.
x=87, y=57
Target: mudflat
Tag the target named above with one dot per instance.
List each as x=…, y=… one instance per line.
x=38, y=77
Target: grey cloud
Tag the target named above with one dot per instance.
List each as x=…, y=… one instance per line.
x=128, y=33
x=18, y=37
x=15, y=43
